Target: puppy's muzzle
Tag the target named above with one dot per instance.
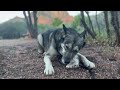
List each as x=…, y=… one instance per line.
x=66, y=60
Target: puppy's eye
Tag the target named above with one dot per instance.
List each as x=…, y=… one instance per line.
x=62, y=39
x=66, y=46
x=75, y=51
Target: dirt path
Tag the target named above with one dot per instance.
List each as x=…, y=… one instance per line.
x=15, y=42
x=19, y=60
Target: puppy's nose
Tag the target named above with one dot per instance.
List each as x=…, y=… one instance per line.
x=67, y=61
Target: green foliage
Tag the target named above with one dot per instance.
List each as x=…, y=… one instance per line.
x=56, y=22
x=101, y=39
x=101, y=21
x=61, y=26
x=76, y=22
x=12, y=30
x=43, y=28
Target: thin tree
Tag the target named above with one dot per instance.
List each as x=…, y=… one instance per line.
x=97, y=23
x=28, y=24
x=85, y=25
x=107, y=24
x=32, y=26
x=90, y=22
x=115, y=23
x=35, y=23
x=30, y=20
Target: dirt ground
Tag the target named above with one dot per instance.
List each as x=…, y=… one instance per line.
x=19, y=60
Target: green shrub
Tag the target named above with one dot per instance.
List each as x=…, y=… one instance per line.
x=56, y=22
x=10, y=30
x=76, y=22
x=43, y=28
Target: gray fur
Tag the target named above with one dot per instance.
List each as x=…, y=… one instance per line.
x=65, y=42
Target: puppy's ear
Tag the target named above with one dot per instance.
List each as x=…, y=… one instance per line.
x=83, y=44
x=64, y=29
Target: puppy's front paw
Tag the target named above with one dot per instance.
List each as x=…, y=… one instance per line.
x=49, y=70
x=72, y=66
x=90, y=65
x=40, y=51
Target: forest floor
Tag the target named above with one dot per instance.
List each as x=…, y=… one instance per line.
x=19, y=60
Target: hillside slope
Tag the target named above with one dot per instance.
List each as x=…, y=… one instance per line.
x=46, y=17
x=13, y=28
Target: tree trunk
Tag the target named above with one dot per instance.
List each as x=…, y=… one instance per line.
x=33, y=30
x=35, y=24
x=90, y=22
x=115, y=23
x=30, y=22
x=85, y=25
x=107, y=23
x=97, y=23
x=28, y=25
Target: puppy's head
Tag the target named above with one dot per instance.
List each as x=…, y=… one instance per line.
x=71, y=45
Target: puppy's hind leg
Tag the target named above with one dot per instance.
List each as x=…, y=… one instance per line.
x=40, y=44
x=88, y=64
x=40, y=49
